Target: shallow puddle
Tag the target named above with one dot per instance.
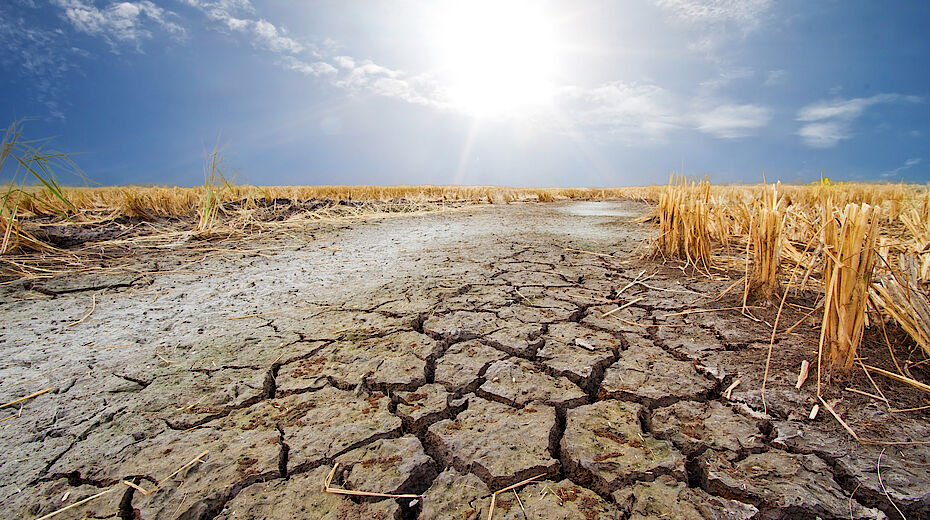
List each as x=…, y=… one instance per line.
x=604, y=209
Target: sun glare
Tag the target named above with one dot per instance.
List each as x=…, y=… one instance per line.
x=499, y=57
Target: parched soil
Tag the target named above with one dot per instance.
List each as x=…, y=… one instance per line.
x=447, y=355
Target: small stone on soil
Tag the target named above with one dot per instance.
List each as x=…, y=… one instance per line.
x=564, y=356
x=463, y=325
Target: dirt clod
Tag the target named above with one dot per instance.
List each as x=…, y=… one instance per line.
x=499, y=444
x=604, y=447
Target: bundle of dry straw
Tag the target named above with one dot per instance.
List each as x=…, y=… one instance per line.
x=766, y=238
x=684, y=219
x=902, y=297
x=849, y=247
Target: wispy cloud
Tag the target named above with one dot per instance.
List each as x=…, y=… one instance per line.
x=273, y=38
x=629, y=113
x=732, y=121
x=714, y=21
x=316, y=68
x=41, y=56
x=366, y=76
x=824, y=135
x=344, y=72
x=616, y=111
x=120, y=21
x=774, y=78
x=725, y=78
x=745, y=14
x=908, y=164
x=829, y=122
x=239, y=16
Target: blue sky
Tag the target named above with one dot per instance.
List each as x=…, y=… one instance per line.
x=519, y=93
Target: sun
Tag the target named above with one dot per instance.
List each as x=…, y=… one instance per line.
x=499, y=57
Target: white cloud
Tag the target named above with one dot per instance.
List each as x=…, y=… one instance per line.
x=829, y=122
x=617, y=111
x=732, y=121
x=345, y=62
x=908, y=164
x=121, y=21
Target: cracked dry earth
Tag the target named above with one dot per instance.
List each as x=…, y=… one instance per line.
x=449, y=355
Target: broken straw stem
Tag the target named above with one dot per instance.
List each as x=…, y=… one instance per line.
x=508, y=488
x=620, y=308
x=337, y=491
x=21, y=399
x=899, y=378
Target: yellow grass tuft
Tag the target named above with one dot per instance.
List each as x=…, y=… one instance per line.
x=211, y=201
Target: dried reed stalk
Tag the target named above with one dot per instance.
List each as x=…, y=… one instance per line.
x=684, y=222
x=849, y=245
